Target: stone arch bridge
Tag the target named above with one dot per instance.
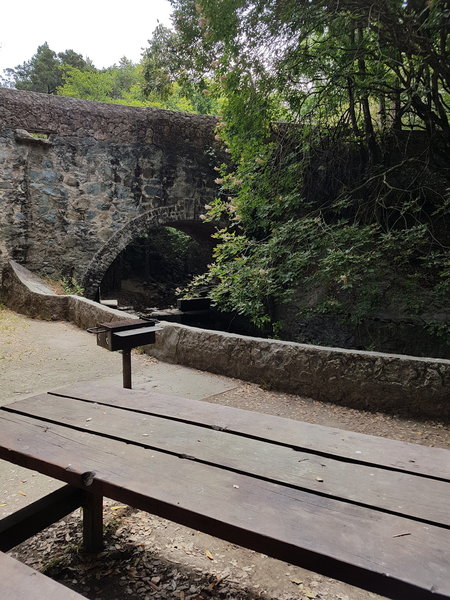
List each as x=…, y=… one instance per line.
x=81, y=180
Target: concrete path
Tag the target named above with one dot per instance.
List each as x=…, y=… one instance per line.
x=37, y=356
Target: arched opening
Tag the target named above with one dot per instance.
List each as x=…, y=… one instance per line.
x=144, y=263
x=92, y=276
x=150, y=271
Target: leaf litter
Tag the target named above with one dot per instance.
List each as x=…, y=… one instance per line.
x=135, y=565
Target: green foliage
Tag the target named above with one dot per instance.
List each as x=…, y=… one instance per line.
x=114, y=84
x=69, y=74
x=71, y=286
x=126, y=84
x=345, y=206
x=122, y=84
x=343, y=268
x=179, y=242
x=44, y=72
x=161, y=62
x=168, y=71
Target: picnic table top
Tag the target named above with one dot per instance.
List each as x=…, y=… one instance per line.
x=368, y=510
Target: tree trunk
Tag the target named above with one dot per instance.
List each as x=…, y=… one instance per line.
x=351, y=105
x=372, y=145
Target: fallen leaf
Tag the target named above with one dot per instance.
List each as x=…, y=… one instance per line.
x=209, y=555
x=214, y=584
x=4, y=504
x=319, y=479
x=297, y=581
x=21, y=493
x=90, y=419
x=118, y=506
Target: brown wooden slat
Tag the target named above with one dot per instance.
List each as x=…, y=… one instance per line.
x=401, y=493
x=93, y=523
x=20, y=582
x=35, y=517
x=377, y=551
x=401, y=456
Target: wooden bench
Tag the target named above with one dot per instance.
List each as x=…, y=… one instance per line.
x=19, y=582
x=366, y=510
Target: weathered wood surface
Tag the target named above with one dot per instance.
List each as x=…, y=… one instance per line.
x=37, y=516
x=19, y=582
x=252, y=479
x=357, y=447
x=396, y=492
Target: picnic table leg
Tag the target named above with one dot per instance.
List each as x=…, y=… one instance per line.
x=93, y=522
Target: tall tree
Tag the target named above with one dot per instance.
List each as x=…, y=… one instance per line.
x=168, y=64
x=44, y=72
x=121, y=84
x=331, y=60
x=341, y=203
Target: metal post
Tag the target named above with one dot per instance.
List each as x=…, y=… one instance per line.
x=126, y=368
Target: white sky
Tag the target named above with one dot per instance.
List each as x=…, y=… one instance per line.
x=103, y=30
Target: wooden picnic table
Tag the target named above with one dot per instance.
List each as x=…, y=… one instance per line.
x=367, y=510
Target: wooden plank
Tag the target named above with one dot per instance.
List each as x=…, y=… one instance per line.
x=397, y=492
x=20, y=582
x=380, y=552
x=356, y=447
x=24, y=523
x=93, y=523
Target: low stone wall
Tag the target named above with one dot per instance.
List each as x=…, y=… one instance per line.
x=25, y=293
x=366, y=380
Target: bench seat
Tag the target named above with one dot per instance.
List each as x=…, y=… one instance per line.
x=20, y=582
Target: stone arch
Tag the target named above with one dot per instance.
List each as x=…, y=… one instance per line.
x=134, y=229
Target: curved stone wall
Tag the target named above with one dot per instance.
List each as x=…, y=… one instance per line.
x=374, y=381
x=133, y=230
x=64, y=199
x=26, y=293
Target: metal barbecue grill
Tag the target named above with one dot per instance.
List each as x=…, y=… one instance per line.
x=125, y=335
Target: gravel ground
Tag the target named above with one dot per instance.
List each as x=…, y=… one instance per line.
x=252, y=397
x=147, y=557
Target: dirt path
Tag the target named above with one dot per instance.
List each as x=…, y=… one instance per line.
x=147, y=557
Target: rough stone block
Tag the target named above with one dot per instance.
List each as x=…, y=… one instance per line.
x=366, y=380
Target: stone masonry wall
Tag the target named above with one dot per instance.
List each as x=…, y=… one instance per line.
x=69, y=203
x=369, y=380
x=26, y=293
x=374, y=381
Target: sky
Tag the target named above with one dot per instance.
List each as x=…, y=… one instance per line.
x=103, y=30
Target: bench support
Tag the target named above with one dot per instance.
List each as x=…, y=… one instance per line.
x=34, y=518
x=93, y=522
